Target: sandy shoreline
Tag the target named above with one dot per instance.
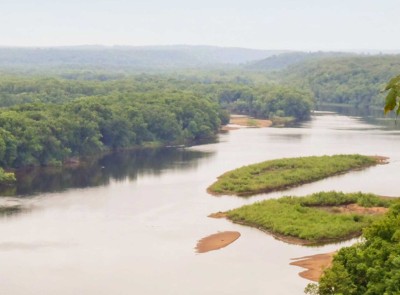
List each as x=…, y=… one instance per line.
x=241, y=121
x=216, y=241
x=314, y=265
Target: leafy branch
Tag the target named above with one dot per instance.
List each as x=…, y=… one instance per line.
x=392, y=102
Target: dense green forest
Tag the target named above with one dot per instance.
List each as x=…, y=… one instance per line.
x=38, y=133
x=45, y=120
x=48, y=116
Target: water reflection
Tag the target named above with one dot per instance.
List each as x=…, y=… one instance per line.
x=125, y=234
x=367, y=115
x=95, y=172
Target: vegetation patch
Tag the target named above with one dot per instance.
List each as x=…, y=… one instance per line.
x=284, y=173
x=303, y=220
x=6, y=177
x=369, y=267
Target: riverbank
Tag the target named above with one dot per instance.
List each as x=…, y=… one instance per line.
x=246, y=121
x=288, y=172
x=243, y=121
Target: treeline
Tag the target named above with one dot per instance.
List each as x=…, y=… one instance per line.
x=42, y=134
x=45, y=120
x=357, y=80
x=267, y=101
x=284, y=60
x=245, y=94
x=370, y=267
x=143, y=58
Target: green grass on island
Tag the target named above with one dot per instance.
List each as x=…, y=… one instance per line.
x=284, y=173
x=315, y=219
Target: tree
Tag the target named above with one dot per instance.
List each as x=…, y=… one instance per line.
x=392, y=98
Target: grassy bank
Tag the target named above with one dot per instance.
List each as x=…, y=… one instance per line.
x=319, y=218
x=284, y=173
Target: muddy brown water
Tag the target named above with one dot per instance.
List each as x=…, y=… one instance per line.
x=128, y=223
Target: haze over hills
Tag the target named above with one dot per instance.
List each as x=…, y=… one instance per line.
x=282, y=61
x=159, y=58
x=127, y=57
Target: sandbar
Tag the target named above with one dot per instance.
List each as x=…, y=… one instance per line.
x=245, y=121
x=216, y=241
x=314, y=265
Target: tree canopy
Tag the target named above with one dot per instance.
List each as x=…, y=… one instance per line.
x=392, y=97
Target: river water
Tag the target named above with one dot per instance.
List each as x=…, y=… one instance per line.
x=128, y=223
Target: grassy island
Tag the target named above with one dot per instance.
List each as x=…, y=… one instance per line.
x=319, y=218
x=284, y=173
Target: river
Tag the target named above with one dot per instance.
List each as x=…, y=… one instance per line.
x=128, y=223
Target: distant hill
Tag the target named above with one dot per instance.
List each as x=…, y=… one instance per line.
x=146, y=57
x=353, y=80
x=284, y=60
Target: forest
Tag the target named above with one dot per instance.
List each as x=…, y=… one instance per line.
x=47, y=117
x=357, y=80
x=47, y=120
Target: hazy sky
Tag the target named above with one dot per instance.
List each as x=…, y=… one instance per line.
x=266, y=24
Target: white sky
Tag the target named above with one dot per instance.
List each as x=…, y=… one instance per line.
x=264, y=24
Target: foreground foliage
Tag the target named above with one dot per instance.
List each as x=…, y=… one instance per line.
x=392, y=97
x=283, y=173
x=6, y=177
x=304, y=217
x=371, y=267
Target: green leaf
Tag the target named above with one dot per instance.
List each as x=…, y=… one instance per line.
x=391, y=101
x=392, y=83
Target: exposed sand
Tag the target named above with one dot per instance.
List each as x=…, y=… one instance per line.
x=218, y=215
x=229, y=128
x=216, y=241
x=315, y=265
x=245, y=121
x=354, y=208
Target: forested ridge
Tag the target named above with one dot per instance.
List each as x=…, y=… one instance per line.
x=128, y=57
x=284, y=60
x=47, y=117
x=355, y=80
